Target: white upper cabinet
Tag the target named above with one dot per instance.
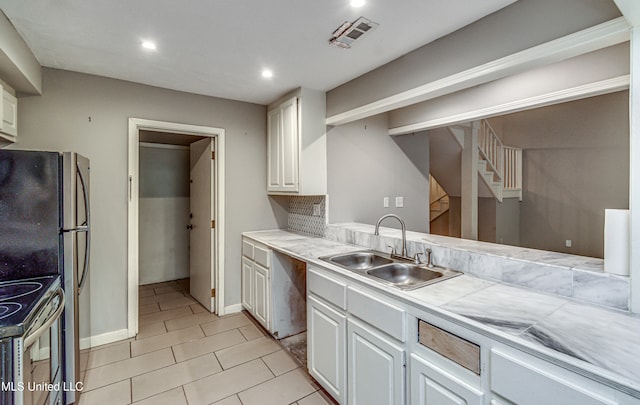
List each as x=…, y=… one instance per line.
x=297, y=147
x=8, y=116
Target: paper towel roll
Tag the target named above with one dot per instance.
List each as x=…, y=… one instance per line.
x=616, y=241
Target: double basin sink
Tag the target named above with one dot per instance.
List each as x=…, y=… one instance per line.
x=394, y=271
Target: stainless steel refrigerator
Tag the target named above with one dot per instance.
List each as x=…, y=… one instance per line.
x=45, y=229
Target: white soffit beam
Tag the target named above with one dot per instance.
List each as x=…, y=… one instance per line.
x=591, y=39
x=631, y=10
x=19, y=68
x=561, y=96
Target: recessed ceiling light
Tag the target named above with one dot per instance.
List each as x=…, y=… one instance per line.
x=266, y=73
x=357, y=3
x=149, y=45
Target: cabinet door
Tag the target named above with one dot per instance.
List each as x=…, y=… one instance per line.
x=274, y=155
x=431, y=385
x=289, y=149
x=261, y=294
x=247, y=284
x=8, y=114
x=326, y=342
x=376, y=371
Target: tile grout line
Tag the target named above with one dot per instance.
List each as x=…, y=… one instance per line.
x=184, y=394
x=245, y=339
x=175, y=360
x=267, y=366
x=244, y=362
x=192, y=381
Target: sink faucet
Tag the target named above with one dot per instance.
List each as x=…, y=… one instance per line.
x=429, y=261
x=404, y=231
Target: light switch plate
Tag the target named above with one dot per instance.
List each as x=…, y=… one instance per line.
x=567, y=243
x=399, y=202
x=385, y=202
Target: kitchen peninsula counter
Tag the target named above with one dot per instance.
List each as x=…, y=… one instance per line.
x=596, y=342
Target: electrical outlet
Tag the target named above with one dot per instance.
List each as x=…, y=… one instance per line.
x=399, y=202
x=385, y=202
x=567, y=243
x=316, y=210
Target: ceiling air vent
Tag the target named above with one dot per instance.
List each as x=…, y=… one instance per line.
x=348, y=32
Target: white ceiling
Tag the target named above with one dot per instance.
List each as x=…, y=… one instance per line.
x=219, y=47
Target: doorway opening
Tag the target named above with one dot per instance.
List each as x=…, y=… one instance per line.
x=176, y=211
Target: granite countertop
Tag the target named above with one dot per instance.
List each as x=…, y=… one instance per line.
x=599, y=343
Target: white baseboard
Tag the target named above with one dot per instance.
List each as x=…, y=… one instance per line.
x=232, y=309
x=103, y=339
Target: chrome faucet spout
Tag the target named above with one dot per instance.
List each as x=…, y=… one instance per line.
x=402, y=225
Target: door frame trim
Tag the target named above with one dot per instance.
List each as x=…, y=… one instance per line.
x=135, y=125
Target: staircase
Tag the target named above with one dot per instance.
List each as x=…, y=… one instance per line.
x=439, y=200
x=499, y=166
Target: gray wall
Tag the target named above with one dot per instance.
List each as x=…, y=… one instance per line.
x=519, y=26
x=508, y=221
x=89, y=114
x=164, y=214
x=575, y=164
x=365, y=165
x=486, y=219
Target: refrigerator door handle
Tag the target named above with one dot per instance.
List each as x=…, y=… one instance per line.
x=85, y=228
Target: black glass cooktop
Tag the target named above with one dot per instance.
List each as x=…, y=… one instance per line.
x=19, y=300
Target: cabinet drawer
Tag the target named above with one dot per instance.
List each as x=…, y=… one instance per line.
x=247, y=249
x=330, y=289
x=452, y=347
x=262, y=255
x=386, y=317
x=542, y=386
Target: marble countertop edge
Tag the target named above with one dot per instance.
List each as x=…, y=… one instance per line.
x=583, y=368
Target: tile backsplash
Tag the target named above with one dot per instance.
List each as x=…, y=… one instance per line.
x=302, y=217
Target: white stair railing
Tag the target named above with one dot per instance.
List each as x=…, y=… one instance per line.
x=491, y=149
x=504, y=161
x=512, y=168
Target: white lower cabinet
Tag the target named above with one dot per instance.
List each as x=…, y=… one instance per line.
x=524, y=380
x=431, y=385
x=255, y=281
x=495, y=400
x=261, y=293
x=358, y=341
x=375, y=368
x=247, y=284
x=256, y=291
x=326, y=344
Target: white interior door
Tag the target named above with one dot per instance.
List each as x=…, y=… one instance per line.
x=201, y=252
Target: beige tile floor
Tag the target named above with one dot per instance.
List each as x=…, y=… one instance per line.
x=185, y=355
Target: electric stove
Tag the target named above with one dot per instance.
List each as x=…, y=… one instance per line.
x=19, y=301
